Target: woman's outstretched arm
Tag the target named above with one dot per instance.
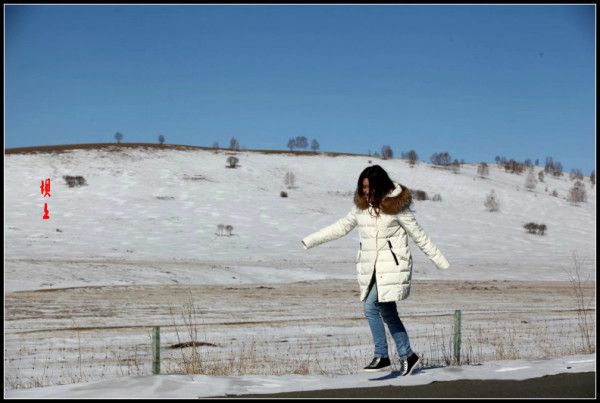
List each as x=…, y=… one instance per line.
x=334, y=231
x=423, y=241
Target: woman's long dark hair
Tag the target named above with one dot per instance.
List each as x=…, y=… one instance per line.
x=380, y=184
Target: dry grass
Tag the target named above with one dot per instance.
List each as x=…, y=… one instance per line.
x=585, y=321
x=230, y=341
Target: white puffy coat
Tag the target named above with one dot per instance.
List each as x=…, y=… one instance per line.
x=383, y=243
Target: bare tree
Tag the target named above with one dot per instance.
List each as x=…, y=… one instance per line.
x=289, y=180
x=161, y=139
x=291, y=143
x=491, y=201
x=314, y=145
x=576, y=174
x=234, y=144
x=386, y=152
x=442, y=159
x=301, y=142
x=118, y=137
x=483, y=169
x=412, y=157
x=530, y=181
x=593, y=178
x=456, y=166
x=577, y=193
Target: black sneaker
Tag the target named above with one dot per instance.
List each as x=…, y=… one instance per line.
x=409, y=364
x=378, y=364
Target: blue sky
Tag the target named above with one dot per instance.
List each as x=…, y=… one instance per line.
x=476, y=81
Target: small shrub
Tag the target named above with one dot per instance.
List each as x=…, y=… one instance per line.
x=232, y=161
x=290, y=180
x=74, y=181
x=483, y=169
x=554, y=193
x=491, y=201
x=283, y=194
x=419, y=194
x=534, y=228
x=437, y=197
x=530, y=181
x=576, y=174
x=577, y=193
x=531, y=227
x=228, y=229
x=542, y=228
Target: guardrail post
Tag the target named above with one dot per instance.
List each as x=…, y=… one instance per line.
x=156, y=350
x=457, y=335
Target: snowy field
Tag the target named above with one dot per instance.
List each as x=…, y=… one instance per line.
x=138, y=247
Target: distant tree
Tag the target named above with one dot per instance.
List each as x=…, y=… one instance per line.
x=234, y=144
x=412, y=157
x=483, y=169
x=386, y=152
x=537, y=162
x=290, y=180
x=593, y=178
x=576, y=174
x=375, y=154
x=442, y=159
x=541, y=176
x=558, y=169
x=215, y=145
x=456, y=166
x=161, y=139
x=314, y=145
x=553, y=168
x=491, y=201
x=291, y=143
x=577, y=193
x=527, y=163
x=301, y=142
x=530, y=181
x=118, y=137
x=232, y=161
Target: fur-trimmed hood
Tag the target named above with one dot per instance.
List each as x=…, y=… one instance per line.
x=394, y=202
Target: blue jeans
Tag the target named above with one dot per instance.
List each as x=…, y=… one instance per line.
x=379, y=312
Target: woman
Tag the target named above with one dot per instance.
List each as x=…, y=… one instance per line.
x=383, y=262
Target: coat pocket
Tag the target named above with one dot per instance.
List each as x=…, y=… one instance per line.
x=393, y=254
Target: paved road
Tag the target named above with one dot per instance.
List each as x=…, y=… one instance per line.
x=573, y=385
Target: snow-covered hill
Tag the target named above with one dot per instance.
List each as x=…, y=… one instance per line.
x=143, y=210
